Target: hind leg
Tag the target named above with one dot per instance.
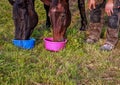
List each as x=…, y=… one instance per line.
x=81, y=6
x=48, y=23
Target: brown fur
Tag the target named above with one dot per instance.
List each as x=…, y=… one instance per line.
x=60, y=16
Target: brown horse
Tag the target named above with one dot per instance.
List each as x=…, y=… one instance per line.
x=81, y=6
x=60, y=16
x=25, y=18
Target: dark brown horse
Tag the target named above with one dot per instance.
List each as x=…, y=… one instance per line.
x=25, y=18
x=81, y=6
x=60, y=16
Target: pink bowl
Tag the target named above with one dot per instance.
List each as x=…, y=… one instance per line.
x=54, y=46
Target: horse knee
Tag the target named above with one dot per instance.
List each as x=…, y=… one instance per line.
x=113, y=21
x=95, y=16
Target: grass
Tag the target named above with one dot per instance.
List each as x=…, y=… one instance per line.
x=78, y=64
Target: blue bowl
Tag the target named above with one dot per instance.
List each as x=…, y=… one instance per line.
x=25, y=44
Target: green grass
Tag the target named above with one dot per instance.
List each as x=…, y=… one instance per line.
x=78, y=64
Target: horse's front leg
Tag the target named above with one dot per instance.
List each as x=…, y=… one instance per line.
x=48, y=23
x=81, y=6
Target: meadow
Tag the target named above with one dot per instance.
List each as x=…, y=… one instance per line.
x=78, y=64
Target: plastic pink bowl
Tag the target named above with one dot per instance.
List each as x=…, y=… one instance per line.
x=54, y=46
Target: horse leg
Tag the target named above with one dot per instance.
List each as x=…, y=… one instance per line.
x=81, y=6
x=48, y=23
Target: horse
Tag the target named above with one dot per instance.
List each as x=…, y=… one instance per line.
x=25, y=18
x=81, y=6
x=58, y=14
x=60, y=17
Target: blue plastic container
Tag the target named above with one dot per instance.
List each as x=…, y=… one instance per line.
x=25, y=44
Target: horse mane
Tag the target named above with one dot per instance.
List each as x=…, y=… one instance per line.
x=54, y=2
